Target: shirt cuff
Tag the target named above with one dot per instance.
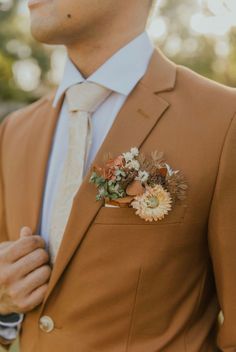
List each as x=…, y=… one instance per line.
x=9, y=334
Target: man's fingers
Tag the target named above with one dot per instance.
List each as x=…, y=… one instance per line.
x=25, y=231
x=5, y=244
x=24, y=272
x=37, y=278
x=23, y=246
x=30, y=262
x=30, y=283
x=34, y=299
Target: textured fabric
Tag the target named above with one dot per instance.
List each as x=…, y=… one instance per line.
x=120, y=73
x=82, y=99
x=121, y=284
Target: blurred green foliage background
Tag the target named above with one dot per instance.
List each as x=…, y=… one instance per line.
x=200, y=34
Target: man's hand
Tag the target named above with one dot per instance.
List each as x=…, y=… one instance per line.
x=24, y=273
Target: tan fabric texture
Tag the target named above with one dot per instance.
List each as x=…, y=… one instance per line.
x=120, y=284
x=82, y=100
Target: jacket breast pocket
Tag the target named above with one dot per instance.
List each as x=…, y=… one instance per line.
x=127, y=216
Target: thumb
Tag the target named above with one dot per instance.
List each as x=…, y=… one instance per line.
x=25, y=232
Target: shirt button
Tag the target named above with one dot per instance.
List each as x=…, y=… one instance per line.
x=46, y=323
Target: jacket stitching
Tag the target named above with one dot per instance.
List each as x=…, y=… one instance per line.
x=186, y=331
x=219, y=162
x=133, y=309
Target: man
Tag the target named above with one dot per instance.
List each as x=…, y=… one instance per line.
x=89, y=277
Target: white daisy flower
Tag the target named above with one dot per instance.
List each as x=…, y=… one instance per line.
x=128, y=156
x=133, y=164
x=171, y=172
x=134, y=151
x=154, y=204
x=142, y=176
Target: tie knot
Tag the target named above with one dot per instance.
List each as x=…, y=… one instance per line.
x=86, y=96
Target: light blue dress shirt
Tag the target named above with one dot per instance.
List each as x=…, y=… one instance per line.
x=120, y=73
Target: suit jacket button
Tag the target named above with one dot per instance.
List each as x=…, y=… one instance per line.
x=46, y=324
x=221, y=318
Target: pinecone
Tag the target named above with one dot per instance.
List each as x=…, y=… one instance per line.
x=177, y=186
x=156, y=178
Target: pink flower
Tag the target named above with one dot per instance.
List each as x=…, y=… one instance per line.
x=109, y=173
x=118, y=162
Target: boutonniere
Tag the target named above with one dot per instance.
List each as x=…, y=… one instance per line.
x=144, y=182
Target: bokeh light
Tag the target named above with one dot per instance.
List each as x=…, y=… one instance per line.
x=197, y=33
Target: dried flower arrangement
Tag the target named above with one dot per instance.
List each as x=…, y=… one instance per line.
x=146, y=183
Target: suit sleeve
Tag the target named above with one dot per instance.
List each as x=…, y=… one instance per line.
x=3, y=231
x=7, y=333
x=222, y=240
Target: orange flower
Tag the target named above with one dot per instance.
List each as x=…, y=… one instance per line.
x=135, y=188
x=109, y=173
x=117, y=162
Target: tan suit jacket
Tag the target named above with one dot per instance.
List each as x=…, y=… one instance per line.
x=120, y=284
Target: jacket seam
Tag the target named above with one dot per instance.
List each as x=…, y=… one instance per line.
x=133, y=309
x=220, y=160
x=3, y=132
x=186, y=331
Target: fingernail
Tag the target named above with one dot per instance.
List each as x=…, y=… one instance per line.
x=25, y=231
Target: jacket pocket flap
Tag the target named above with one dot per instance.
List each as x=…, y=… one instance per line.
x=126, y=215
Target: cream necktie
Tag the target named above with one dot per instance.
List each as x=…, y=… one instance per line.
x=82, y=99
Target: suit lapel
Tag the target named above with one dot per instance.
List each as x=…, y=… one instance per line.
x=36, y=145
x=135, y=121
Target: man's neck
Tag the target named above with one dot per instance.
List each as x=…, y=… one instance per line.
x=88, y=55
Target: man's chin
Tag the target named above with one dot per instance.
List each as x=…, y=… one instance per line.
x=45, y=36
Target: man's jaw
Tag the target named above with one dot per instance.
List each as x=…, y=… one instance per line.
x=36, y=3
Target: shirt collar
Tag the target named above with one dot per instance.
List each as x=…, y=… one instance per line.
x=120, y=73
